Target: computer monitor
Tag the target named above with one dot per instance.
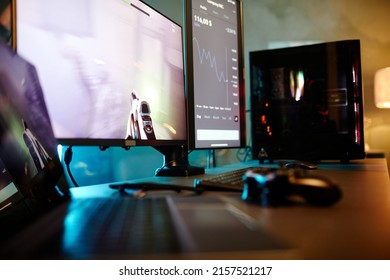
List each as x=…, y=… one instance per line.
x=112, y=72
x=214, y=76
x=307, y=102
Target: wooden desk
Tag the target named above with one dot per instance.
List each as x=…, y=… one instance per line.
x=354, y=228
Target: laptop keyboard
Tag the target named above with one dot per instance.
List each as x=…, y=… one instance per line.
x=125, y=226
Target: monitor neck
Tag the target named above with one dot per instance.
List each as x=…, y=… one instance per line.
x=176, y=162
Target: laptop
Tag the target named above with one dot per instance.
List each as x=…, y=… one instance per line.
x=40, y=219
x=30, y=169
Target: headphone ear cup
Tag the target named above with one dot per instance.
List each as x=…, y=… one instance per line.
x=250, y=191
x=264, y=191
x=285, y=186
x=317, y=195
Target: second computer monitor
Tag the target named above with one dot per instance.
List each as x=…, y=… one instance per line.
x=215, y=87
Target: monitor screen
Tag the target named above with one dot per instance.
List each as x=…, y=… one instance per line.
x=307, y=102
x=215, y=87
x=111, y=71
x=9, y=193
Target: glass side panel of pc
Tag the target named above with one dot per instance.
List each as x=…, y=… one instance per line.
x=307, y=102
x=112, y=71
x=215, y=85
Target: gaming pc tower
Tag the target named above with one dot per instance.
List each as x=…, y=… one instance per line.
x=307, y=102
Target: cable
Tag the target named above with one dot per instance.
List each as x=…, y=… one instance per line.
x=211, y=158
x=67, y=160
x=243, y=154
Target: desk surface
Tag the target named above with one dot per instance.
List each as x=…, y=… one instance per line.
x=354, y=228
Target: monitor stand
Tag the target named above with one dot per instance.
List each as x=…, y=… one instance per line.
x=176, y=162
